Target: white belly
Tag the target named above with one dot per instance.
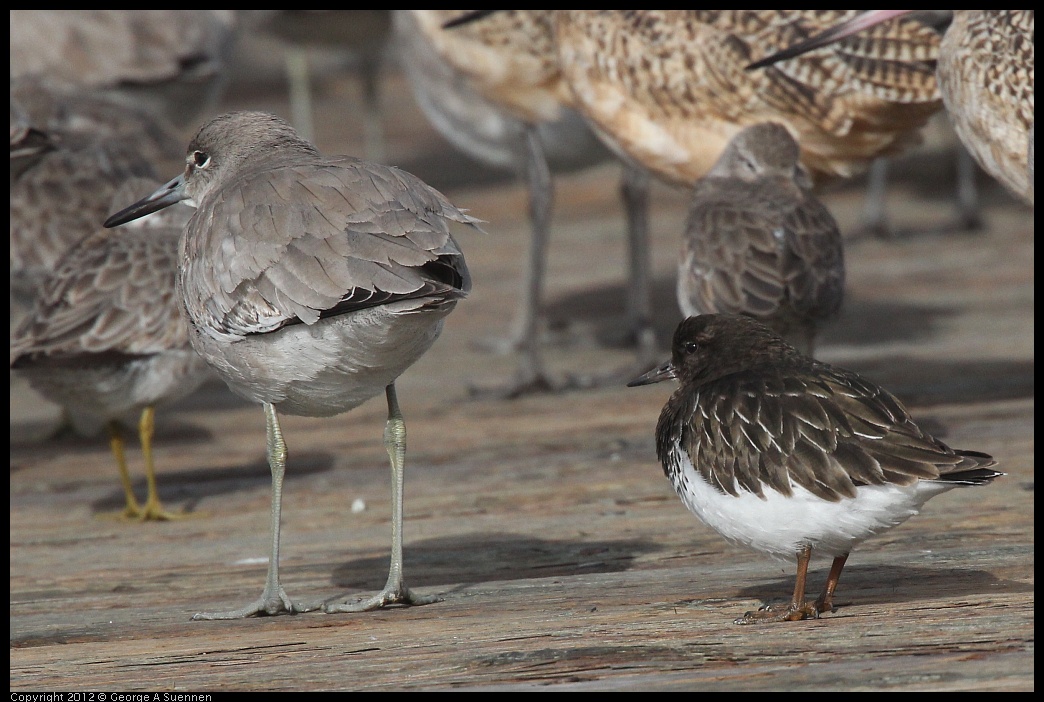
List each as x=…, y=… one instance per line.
x=331, y=366
x=781, y=526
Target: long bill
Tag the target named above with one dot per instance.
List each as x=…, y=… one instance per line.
x=664, y=371
x=169, y=193
x=838, y=32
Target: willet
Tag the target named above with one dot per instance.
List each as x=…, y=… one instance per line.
x=985, y=73
x=171, y=62
x=310, y=283
x=494, y=89
x=791, y=457
x=759, y=242
x=106, y=339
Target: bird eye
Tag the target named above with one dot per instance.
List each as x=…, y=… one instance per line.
x=690, y=347
x=200, y=159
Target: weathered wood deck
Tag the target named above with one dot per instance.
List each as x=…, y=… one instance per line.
x=565, y=560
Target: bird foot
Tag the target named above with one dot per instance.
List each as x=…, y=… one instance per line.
x=522, y=384
x=791, y=612
x=499, y=345
x=268, y=604
x=153, y=511
x=400, y=595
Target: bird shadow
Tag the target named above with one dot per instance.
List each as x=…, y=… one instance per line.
x=863, y=322
x=877, y=585
x=599, y=313
x=601, y=309
x=919, y=381
x=474, y=558
x=187, y=488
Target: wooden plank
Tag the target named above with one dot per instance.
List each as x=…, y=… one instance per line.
x=564, y=558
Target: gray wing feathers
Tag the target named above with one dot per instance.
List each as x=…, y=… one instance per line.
x=327, y=232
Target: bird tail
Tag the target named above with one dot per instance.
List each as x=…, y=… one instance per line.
x=974, y=469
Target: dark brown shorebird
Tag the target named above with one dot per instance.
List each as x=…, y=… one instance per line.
x=758, y=241
x=509, y=62
x=106, y=340
x=985, y=75
x=311, y=283
x=791, y=457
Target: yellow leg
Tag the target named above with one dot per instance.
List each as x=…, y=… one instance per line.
x=133, y=509
x=153, y=508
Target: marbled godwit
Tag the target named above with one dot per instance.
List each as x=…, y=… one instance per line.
x=509, y=61
x=985, y=73
x=758, y=241
x=106, y=339
x=668, y=88
x=311, y=283
x=791, y=457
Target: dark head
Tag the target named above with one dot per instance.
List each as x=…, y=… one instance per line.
x=218, y=151
x=759, y=151
x=710, y=346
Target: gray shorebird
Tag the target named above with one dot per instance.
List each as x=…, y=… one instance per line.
x=985, y=75
x=106, y=340
x=791, y=457
x=310, y=284
x=758, y=242
x=509, y=63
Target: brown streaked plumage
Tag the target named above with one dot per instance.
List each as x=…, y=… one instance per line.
x=508, y=64
x=791, y=457
x=669, y=88
x=70, y=151
x=985, y=73
x=758, y=241
x=311, y=283
x=106, y=339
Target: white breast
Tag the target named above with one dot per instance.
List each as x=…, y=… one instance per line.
x=780, y=526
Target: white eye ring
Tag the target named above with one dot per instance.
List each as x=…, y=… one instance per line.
x=200, y=159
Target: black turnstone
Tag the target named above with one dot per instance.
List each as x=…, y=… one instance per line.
x=792, y=457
